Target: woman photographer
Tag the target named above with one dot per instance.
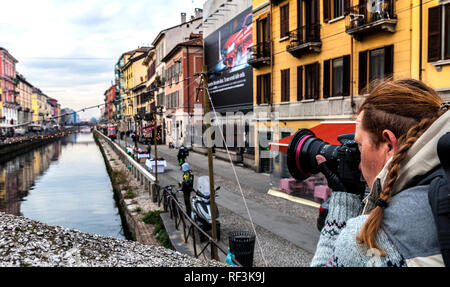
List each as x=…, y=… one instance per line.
x=397, y=130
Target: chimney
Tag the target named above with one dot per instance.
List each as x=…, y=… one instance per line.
x=183, y=17
x=198, y=13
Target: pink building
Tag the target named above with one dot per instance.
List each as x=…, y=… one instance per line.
x=54, y=109
x=110, y=95
x=9, y=107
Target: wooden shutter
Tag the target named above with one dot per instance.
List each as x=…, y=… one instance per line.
x=285, y=92
x=347, y=84
x=288, y=85
x=346, y=7
x=326, y=11
x=258, y=31
x=284, y=21
x=299, y=83
x=434, y=33
x=258, y=90
x=389, y=61
x=316, y=80
x=299, y=14
x=362, y=82
x=447, y=32
x=326, y=79
x=258, y=47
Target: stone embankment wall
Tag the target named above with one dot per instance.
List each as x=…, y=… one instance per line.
x=25, y=144
x=133, y=198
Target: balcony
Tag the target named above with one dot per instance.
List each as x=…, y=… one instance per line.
x=260, y=54
x=305, y=40
x=365, y=20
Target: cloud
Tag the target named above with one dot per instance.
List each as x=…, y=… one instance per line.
x=69, y=48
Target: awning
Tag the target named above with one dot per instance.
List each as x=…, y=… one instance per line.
x=327, y=131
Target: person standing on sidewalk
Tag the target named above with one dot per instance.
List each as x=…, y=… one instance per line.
x=397, y=130
x=187, y=185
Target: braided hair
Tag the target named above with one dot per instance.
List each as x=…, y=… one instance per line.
x=407, y=108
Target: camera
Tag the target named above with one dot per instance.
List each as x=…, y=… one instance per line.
x=343, y=160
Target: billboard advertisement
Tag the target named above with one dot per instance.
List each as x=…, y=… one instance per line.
x=226, y=54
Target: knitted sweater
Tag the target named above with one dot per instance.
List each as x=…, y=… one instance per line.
x=337, y=246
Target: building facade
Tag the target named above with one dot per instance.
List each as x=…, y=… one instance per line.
x=314, y=60
x=8, y=92
x=24, y=100
x=164, y=42
x=182, y=92
x=53, y=107
x=110, y=108
x=134, y=72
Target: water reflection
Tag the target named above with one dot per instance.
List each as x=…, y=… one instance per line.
x=64, y=183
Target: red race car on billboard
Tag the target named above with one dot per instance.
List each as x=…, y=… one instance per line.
x=236, y=47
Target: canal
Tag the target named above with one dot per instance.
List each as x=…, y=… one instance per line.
x=64, y=183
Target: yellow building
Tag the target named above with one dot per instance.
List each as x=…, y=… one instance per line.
x=35, y=107
x=313, y=58
x=134, y=73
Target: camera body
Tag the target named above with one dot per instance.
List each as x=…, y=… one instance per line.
x=343, y=160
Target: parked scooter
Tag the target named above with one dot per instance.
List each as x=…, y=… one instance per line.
x=201, y=207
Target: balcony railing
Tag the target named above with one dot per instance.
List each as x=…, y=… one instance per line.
x=368, y=18
x=305, y=39
x=260, y=54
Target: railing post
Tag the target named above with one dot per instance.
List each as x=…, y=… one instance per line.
x=194, y=242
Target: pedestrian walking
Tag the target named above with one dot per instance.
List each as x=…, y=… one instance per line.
x=397, y=130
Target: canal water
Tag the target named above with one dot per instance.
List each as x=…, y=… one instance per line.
x=64, y=183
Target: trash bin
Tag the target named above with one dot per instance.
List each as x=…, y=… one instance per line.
x=242, y=245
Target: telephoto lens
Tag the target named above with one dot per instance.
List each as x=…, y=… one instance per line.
x=304, y=146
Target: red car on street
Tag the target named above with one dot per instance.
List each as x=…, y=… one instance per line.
x=237, y=45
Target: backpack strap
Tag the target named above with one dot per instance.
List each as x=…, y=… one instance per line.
x=439, y=197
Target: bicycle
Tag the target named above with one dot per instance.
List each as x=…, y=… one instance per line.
x=170, y=190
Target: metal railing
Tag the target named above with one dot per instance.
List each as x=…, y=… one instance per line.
x=304, y=34
x=260, y=51
x=170, y=204
x=367, y=13
x=180, y=218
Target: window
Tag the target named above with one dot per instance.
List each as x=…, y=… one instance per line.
x=334, y=8
x=338, y=8
x=438, y=33
x=375, y=64
x=338, y=77
x=263, y=89
x=312, y=81
x=376, y=67
x=284, y=21
x=285, y=83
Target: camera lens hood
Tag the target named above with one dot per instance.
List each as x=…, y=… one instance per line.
x=294, y=150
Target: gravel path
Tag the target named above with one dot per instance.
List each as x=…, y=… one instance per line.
x=24, y=242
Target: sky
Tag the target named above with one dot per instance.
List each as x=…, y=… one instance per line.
x=68, y=48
